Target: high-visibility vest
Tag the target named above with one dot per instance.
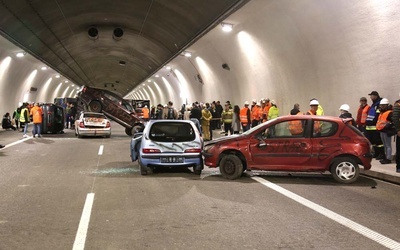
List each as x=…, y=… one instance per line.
x=296, y=127
x=37, y=113
x=145, y=113
x=22, y=117
x=265, y=111
x=364, y=114
x=243, y=116
x=255, y=113
x=317, y=124
x=382, y=120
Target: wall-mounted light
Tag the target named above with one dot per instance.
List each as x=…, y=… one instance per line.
x=227, y=27
x=43, y=68
x=57, y=76
x=20, y=54
x=66, y=81
x=168, y=67
x=149, y=80
x=157, y=76
x=187, y=54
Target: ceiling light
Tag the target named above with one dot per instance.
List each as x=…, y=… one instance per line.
x=57, y=76
x=227, y=27
x=66, y=81
x=148, y=80
x=43, y=68
x=20, y=54
x=187, y=54
x=168, y=67
x=157, y=76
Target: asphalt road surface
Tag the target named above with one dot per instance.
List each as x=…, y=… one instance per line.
x=61, y=192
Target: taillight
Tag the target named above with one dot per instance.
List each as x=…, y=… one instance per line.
x=108, y=125
x=151, y=150
x=193, y=150
x=81, y=125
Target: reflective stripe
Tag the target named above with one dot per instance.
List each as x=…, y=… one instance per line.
x=370, y=128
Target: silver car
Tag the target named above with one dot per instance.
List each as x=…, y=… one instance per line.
x=92, y=124
x=170, y=143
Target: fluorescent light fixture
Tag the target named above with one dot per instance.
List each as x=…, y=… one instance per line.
x=149, y=80
x=43, y=68
x=66, y=81
x=227, y=27
x=143, y=84
x=157, y=76
x=57, y=76
x=187, y=54
x=20, y=54
x=168, y=67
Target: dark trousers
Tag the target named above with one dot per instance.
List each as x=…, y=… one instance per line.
x=228, y=127
x=398, y=153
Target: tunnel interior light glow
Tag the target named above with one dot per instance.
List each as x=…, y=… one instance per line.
x=57, y=76
x=227, y=27
x=43, y=68
x=157, y=76
x=20, y=54
x=66, y=81
x=187, y=54
x=168, y=67
x=149, y=80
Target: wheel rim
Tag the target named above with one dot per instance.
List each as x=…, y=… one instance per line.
x=229, y=167
x=345, y=171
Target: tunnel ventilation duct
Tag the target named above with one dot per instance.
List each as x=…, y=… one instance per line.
x=122, y=63
x=93, y=33
x=118, y=33
x=226, y=66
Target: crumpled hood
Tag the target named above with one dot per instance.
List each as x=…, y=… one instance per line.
x=223, y=139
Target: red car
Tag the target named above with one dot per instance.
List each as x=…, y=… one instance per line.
x=294, y=143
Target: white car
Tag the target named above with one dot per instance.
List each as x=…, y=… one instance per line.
x=169, y=143
x=92, y=124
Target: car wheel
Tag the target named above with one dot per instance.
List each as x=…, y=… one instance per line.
x=95, y=106
x=136, y=129
x=128, y=131
x=345, y=170
x=143, y=169
x=231, y=167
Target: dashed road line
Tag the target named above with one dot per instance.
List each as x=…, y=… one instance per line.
x=101, y=150
x=379, y=238
x=80, y=238
x=16, y=142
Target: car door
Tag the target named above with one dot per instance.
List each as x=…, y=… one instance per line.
x=135, y=147
x=278, y=147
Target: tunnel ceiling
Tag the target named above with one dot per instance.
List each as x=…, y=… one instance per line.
x=129, y=39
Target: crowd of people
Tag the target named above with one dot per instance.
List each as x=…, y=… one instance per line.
x=379, y=122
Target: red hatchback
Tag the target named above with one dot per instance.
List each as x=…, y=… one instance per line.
x=294, y=143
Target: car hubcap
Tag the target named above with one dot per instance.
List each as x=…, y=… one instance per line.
x=345, y=171
x=229, y=167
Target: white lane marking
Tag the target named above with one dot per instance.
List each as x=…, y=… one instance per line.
x=80, y=238
x=15, y=143
x=379, y=238
x=101, y=149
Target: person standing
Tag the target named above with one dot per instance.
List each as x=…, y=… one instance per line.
x=205, y=123
x=24, y=118
x=255, y=114
x=396, y=123
x=146, y=113
x=245, y=117
x=273, y=111
x=313, y=111
x=219, y=109
x=362, y=114
x=226, y=119
x=384, y=125
x=236, y=119
x=72, y=116
x=37, y=116
x=345, y=113
x=170, y=112
x=370, y=129
x=16, y=115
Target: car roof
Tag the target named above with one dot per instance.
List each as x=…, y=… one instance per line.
x=325, y=118
x=91, y=113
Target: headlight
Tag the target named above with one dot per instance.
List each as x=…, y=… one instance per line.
x=208, y=147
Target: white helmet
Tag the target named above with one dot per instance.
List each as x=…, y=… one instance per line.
x=314, y=102
x=345, y=107
x=384, y=101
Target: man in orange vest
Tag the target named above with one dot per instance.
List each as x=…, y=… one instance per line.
x=255, y=114
x=265, y=109
x=362, y=114
x=296, y=126
x=245, y=118
x=37, y=116
x=146, y=113
x=385, y=127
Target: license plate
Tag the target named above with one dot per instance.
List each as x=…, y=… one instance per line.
x=172, y=159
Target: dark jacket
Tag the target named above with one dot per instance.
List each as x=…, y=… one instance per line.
x=196, y=113
x=396, y=115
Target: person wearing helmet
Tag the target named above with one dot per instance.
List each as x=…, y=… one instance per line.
x=320, y=110
x=396, y=122
x=362, y=114
x=345, y=113
x=370, y=129
x=245, y=117
x=255, y=113
x=385, y=126
x=313, y=107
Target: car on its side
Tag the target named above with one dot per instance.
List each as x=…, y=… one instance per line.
x=92, y=124
x=168, y=143
x=293, y=143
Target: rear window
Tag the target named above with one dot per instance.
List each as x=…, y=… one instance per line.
x=172, y=132
x=94, y=116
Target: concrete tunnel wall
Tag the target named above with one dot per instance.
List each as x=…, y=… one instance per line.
x=289, y=51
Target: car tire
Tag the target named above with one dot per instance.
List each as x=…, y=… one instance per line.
x=231, y=167
x=345, y=170
x=95, y=106
x=143, y=169
x=128, y=131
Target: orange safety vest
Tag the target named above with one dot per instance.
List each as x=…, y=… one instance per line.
x=37, y=113
x=243, y=116
x=364, y=114
x=317, y=124
x=265, y=111
x=382, y=120
x=255, y=113
x=296, y=127
x=145, y=113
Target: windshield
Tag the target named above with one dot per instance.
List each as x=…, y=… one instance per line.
x=87, y=115
x=257, y=127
